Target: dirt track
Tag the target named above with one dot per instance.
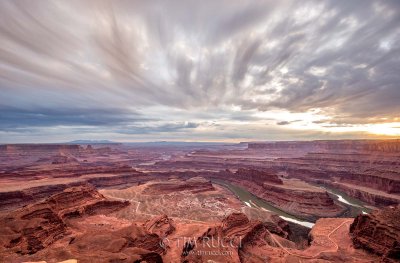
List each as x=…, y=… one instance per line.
x=320, y=252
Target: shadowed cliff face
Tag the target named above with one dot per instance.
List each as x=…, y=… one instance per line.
x=378, y=232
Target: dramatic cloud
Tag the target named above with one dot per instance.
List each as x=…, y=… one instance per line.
x=17, y=118
x=209, y=70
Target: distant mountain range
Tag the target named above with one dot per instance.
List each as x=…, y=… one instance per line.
x=152, y=144
x=172, y=143
x=92, y=142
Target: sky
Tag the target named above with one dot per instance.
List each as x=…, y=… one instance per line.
x=217, y=70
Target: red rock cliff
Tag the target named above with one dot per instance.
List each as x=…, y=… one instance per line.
x=257, y=176
x=378, y=232
x=36, y=226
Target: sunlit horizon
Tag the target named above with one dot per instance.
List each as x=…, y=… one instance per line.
x=199, y=71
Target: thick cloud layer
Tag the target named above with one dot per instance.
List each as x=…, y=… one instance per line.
x=198, y=69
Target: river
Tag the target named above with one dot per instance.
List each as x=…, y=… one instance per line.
x=253, y=201
x=355, y=207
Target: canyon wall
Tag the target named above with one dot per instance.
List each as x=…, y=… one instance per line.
x=257, y=176
x=387, y=146
x=375, y=186
x=303, y=201
x=37, y=226
x=10, y=148
x=306, y=204
x=369, y=197
x=13, y=199
x=379, y=233
x=194, y=185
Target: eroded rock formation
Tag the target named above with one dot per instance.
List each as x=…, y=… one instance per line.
x=292, y=196
x=257, y=176
x=13, y=199
x=161, y=225
x=194, y=184
x=378, y=232
x=80, y=223
x=390, y=146
x=34, y=227
x=367, y=195
x=229, y=242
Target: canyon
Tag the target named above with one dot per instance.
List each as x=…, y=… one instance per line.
x=378, y=232
x=268, y=201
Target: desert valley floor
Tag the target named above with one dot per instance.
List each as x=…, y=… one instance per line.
x=306, y=201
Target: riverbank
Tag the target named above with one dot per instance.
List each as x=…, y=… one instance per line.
x=253, y=201
x=354, y=207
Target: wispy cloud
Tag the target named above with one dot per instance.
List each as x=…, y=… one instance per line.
x=116, y=63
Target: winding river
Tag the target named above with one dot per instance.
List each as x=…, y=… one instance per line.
x=252, y=201
x=354, y=206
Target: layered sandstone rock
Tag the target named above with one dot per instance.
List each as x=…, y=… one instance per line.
x=126, y=179
x=26, y=154
x=72, y=172
x=389, y=185
x=161, y=225
x=378, y=232
x=368, y=195
x=305, y=203
x=371, y=181
x=291, y=195
x=35, y=227
x=82, y=200
x=236, y=239
x=257, y=176
x=194, y=185
x=389, y=146
x=127, y=244
x=14, y=199
x=10, y=200
x=31, y=229
x=232, y=241
x=32, y=148
x=58, y=159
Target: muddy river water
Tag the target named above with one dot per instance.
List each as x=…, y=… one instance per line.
x=354, y=206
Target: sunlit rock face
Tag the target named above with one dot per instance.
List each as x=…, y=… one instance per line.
x=344, y=146
x=35, y=227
